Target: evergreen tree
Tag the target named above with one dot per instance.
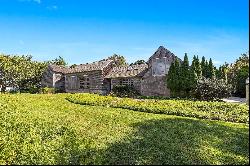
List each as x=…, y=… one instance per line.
x=206, y=68
x=210, y=69
x=203, y=66
x=173, y=78
x=196, y=66
x=184, y=76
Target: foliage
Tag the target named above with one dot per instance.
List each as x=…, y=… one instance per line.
x=59, y=61
x=124, y=91
x=73, y=66
x=47, y=90
x=212, y=89
x=119, y=60
x=138, y=62
x=182, y=78
x=241, y=77
x=221, y=73
x=196, y=66
x=198, y=109
x=237, y=73
x=173, y=78
x=48, y=130
x=22, y=73
x=211, y=71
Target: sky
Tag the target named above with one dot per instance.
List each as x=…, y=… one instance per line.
x=83, y=31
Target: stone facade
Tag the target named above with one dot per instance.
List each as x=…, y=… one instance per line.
x=53, y=77
x=100, y=77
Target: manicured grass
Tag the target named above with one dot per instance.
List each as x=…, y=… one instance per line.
x=47, y=129
x=231, y=112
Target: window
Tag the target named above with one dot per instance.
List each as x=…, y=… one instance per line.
x=127, y=82
x=84, y=83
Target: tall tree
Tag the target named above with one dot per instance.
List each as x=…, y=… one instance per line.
x=210, y=69
x=59, y=61
x=203, y=66
x=173, y=78
x=185, y=76
x=138, y=62
x=20, y=72
x=119, y=60
x=196, y=66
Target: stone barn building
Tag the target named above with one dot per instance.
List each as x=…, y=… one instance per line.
x=101, y=76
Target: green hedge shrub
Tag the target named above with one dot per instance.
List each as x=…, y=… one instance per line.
x=124, y=91
x=199, y=109
x=47, y=90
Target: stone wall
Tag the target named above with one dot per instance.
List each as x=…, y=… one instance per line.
x=52, y=79
x=135, y=81
x=154, y=85
x=47, y=78
x=85, y=82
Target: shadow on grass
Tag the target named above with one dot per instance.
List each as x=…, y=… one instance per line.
x=181, y=141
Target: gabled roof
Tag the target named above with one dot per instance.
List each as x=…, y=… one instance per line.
x=99, y=65
x=163, y=52
x=128, y=71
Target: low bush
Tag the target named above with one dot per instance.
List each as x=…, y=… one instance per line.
x=47, y=90
x=124, y=91
x=199, y=109
x=212, y=89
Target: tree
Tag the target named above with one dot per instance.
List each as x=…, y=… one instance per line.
x=210, y=69
x=59, y=61
x=237, y=72
x=185, y=76
x=203, y=66
x=119, y=60
x=20, y=72
x=196, y=66
x=173, y=82
x=212, y=89
x=138, y=62
x=73, y=66
x=241, y=77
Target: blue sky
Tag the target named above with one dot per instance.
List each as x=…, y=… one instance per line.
x=83, y=31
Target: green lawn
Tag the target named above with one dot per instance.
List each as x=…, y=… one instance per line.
x=48, y=129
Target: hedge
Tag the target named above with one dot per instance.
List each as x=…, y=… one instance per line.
x=231, y=112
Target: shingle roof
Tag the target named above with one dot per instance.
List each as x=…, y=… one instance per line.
x=128, y=71
x=99, y=65
x=58, y=69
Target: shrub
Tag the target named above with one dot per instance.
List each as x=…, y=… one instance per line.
x=124, y=91
x=199, y=109
x=212, y=89
x=47, y=90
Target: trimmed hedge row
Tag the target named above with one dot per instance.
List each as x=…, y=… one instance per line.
x=231, y=112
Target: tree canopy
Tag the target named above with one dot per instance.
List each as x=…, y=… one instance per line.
x=119, y=60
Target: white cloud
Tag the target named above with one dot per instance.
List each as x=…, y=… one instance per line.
x=54, y=7
x=36, y=1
